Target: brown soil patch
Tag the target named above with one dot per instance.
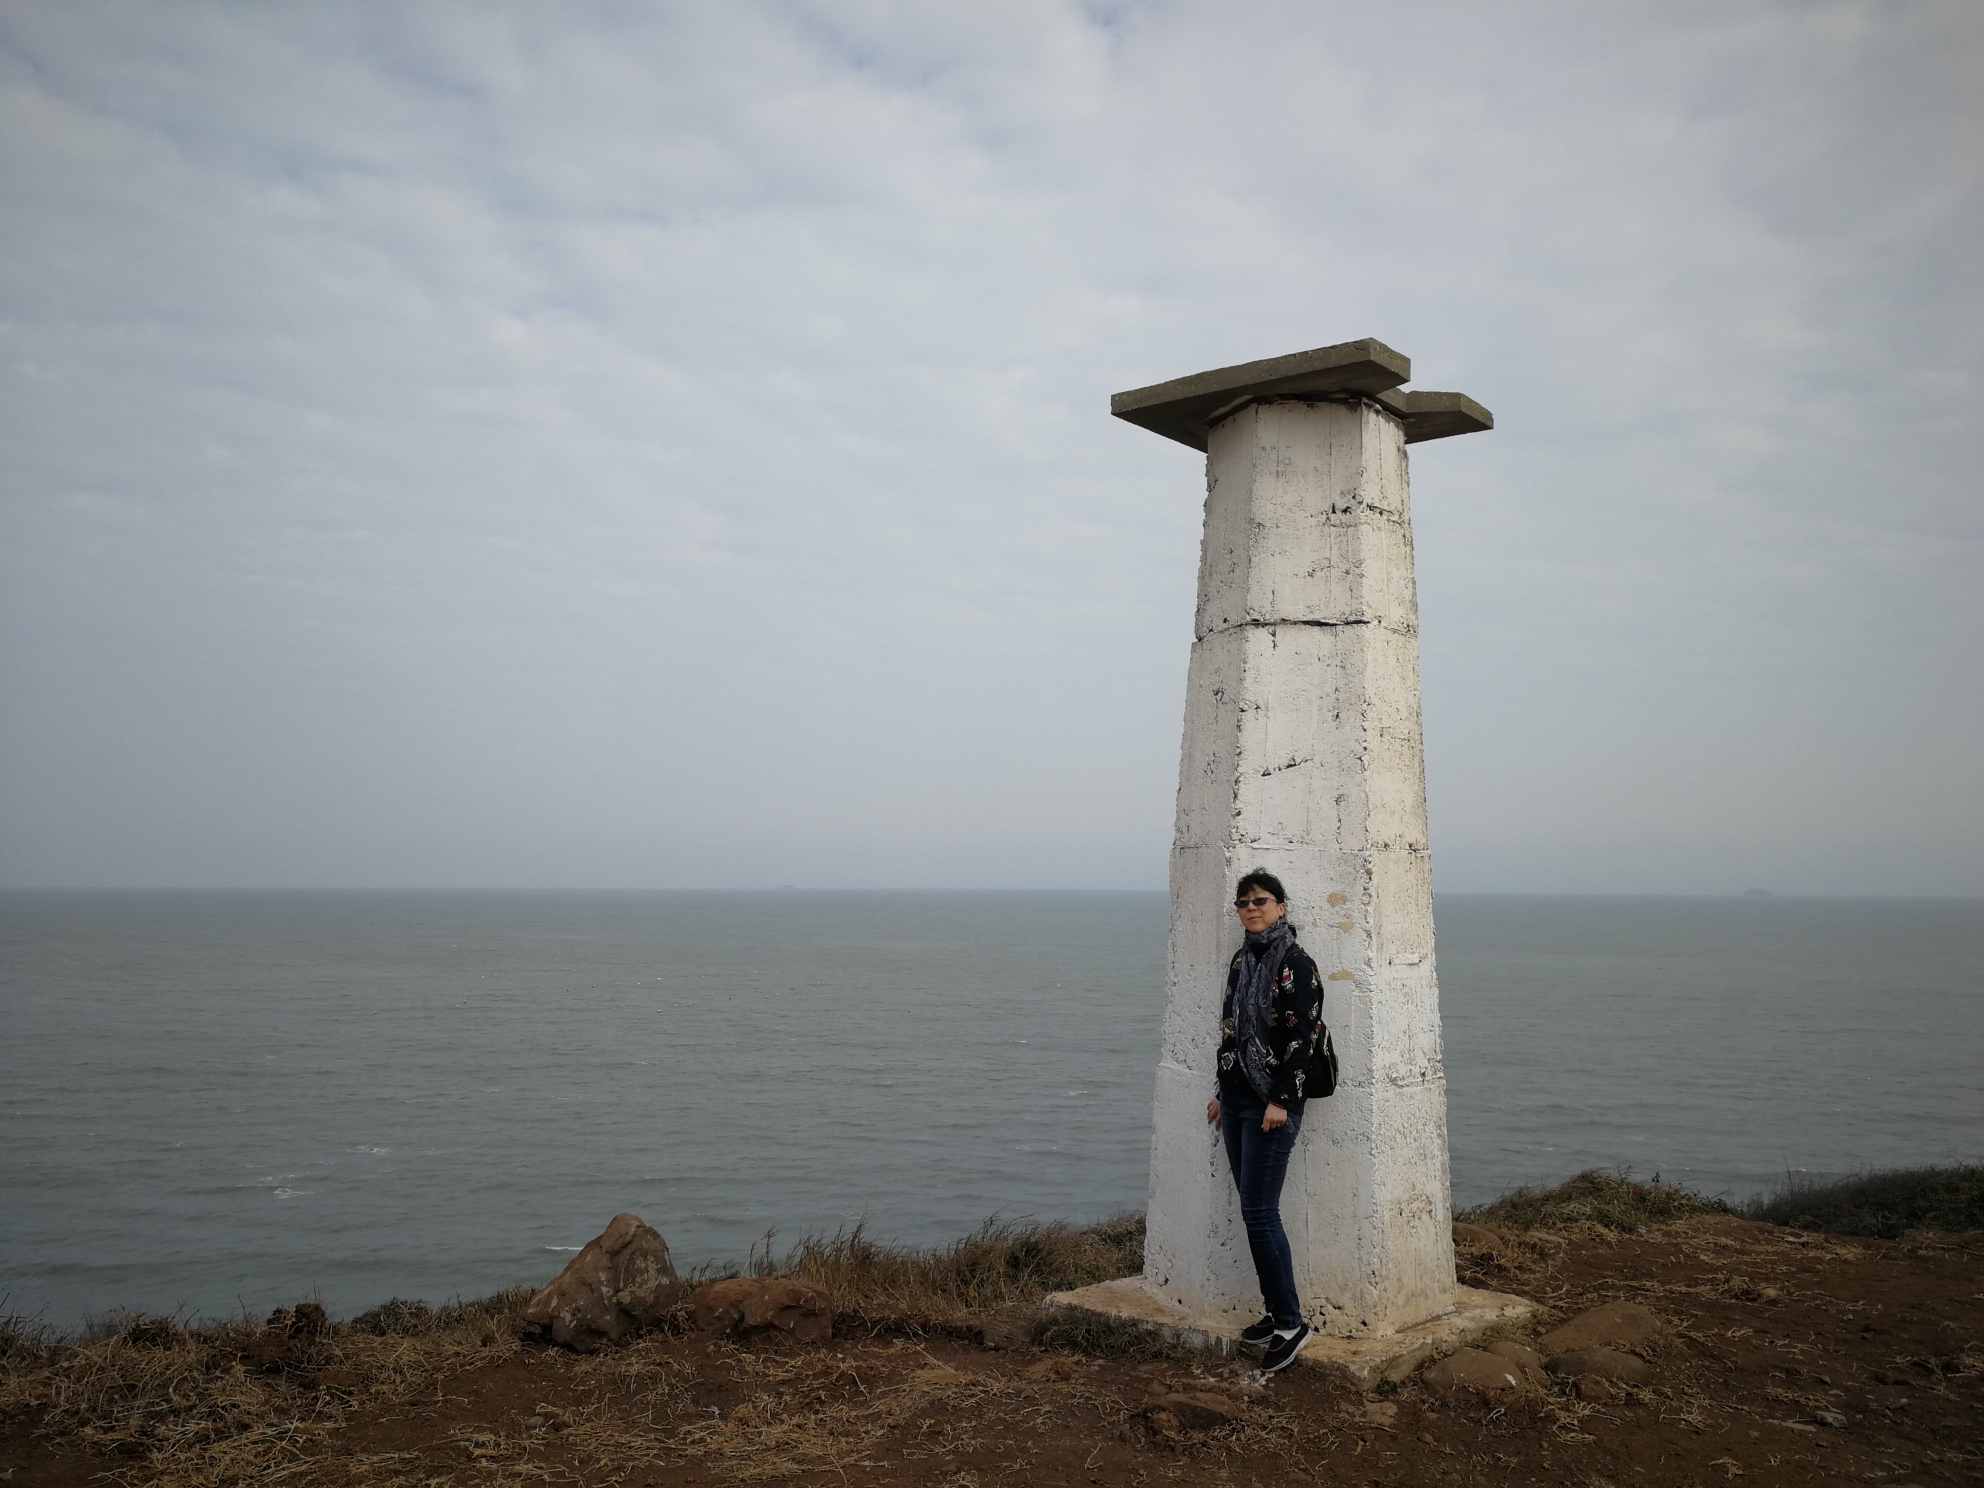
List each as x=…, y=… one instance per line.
x=1787, y=1358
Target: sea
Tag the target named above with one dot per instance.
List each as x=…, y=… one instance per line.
x=216, y=1103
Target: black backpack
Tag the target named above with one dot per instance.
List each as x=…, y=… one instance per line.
x=1322, y=1068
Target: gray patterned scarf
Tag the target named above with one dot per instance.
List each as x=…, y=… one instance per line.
x=1253, y=998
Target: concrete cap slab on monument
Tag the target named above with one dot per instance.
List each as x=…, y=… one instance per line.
x=1436, y=415
x=1186, y=408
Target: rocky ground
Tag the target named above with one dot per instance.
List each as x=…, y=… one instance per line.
x=1776, y=1356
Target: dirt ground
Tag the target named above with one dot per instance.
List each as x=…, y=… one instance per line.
x=1788, y=1358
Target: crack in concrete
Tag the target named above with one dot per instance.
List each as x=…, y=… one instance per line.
x=1270, y=624
x=1393, y=626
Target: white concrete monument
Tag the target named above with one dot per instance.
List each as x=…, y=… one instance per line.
x=1302, y=755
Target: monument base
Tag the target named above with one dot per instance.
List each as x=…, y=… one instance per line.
x=1360, y=1361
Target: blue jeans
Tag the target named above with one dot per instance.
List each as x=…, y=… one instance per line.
x=1259, y=1161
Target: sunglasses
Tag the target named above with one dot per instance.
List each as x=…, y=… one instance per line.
x=1259, y=901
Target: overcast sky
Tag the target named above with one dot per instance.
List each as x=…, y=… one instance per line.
x=668, y=444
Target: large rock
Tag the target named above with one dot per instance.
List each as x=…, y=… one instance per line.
x=620, y=1282
x=1615, y=1325
x=1604, y=1363
x=1477, y=1370
x=745, y=1302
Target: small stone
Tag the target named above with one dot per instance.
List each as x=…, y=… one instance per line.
x=1593, y=1389
x=1380, y=1412
x=535, y=1423
x=1478, y=1239
x=311, y=1319
x=1609, y=1364
x=1164, y=1423
x=1830, y=1418
x=1426, y=1437
x=1615, y=1325
x=743, y=1303
x=1527, y=1361
x=1477, y=1370
x=1196, y=1410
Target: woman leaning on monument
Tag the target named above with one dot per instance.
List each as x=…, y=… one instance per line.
x=1270, y=1026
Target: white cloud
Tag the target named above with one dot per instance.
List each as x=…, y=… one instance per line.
x=471, y=444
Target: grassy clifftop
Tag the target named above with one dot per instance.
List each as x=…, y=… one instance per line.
x=1885, y=1205
x=941, y=1359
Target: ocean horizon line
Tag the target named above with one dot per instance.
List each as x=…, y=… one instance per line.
x=901, y=890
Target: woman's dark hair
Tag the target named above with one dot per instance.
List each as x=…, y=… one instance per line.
x=1260, y=878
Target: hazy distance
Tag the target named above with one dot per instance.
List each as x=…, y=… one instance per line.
x=502, y=445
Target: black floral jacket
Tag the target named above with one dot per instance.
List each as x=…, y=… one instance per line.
x=1298, y=1025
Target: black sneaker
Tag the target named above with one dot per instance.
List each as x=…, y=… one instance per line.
x=1281, y=1352
x=1256, y=1334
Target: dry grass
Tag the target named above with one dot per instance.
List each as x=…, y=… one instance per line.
x=1886, y=1205
x=213, y=1407
x=204, y=1407
x=805, y=1412
x=208, y=1406
x=1612, y=1201
x=815, y=1411
x=1000, y=1268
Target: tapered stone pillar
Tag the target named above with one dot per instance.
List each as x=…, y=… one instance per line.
x=1302, y=755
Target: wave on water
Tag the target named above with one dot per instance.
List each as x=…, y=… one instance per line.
x=911, y=1064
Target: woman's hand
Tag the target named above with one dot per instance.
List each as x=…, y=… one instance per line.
x=1275, y=1117
x=1212, y=1114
